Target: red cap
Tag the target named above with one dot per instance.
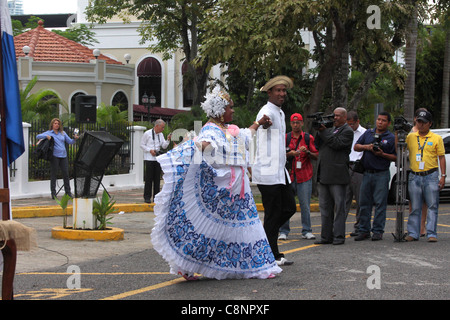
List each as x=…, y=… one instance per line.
x=296, y=117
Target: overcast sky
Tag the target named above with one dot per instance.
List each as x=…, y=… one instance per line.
x=49, y=6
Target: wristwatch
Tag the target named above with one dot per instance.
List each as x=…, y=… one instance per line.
x=443, y=175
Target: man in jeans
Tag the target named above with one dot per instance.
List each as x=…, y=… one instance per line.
x=424, y=181
x=379, y=150
x=300, y=149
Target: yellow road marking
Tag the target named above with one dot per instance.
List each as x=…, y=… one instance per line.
x=142, y=290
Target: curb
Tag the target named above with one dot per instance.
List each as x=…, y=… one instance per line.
x=56, y=211
x=111, y=234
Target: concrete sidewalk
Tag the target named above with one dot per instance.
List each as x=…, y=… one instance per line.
x=126, y=201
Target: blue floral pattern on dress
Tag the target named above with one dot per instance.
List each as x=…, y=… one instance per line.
x=221, y=207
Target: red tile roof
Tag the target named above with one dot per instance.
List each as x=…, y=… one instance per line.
x=49, y=46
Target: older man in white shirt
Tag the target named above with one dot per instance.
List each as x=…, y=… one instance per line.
x=356, y=177
x=152, y=142
x=268, y=170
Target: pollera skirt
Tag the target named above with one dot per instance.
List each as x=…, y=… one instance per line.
x=206, y=219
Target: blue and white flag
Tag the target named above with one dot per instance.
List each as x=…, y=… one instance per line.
x=11, y=103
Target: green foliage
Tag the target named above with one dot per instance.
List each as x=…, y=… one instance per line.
x=63, y=203
x=110, y=114
x=79, y=33
x=429, y=70
x=102, y=208
x=166, y=25
x=40, y=105
x=185, y=120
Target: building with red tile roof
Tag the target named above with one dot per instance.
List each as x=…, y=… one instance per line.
x=46, y=45
x=71, y=69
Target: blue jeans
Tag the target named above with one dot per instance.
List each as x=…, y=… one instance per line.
x=373, y=193
x=303, y=190
x=423, y=188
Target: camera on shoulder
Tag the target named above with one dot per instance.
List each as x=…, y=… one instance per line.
x=319, y=119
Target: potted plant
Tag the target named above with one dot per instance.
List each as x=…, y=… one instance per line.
x=102, y=208
x=63, y=203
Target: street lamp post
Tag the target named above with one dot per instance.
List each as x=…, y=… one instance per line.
x=146, y=104
x=152, y=100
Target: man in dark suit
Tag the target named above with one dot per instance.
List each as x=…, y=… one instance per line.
x=334, y=146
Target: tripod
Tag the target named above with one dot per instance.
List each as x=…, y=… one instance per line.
x=402, y=180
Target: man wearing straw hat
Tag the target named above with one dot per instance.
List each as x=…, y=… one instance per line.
x=268, y=170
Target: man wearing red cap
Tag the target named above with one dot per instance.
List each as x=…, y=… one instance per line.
x=300, y=149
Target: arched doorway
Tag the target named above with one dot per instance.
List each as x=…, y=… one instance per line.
x=149, y=74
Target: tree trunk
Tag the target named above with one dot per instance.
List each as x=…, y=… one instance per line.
x=340, y=79
x=410, y=63
x=446, y=83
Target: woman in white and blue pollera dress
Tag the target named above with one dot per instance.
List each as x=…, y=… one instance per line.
x=206, y=218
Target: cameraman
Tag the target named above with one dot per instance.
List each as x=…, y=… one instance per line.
x=379, y=150
x=152, y=142
x=334, y=145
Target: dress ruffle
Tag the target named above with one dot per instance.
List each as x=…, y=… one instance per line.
x=206, y=219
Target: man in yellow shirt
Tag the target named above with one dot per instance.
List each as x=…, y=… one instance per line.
x=425, y=149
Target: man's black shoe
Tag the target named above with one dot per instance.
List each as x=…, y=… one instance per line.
x=322, y=242
x=377, y=237
x=362, y=236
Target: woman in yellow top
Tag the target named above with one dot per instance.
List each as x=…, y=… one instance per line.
x=425, y=149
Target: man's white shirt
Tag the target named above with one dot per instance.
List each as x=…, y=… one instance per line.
x=270, y=158
x=356, y=155
x=148, y=143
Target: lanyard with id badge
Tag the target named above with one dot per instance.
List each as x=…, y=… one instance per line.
x=419, y=156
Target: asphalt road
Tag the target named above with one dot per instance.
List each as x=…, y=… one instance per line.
x=131, y=270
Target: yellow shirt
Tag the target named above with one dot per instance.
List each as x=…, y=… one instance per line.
x=433, y=147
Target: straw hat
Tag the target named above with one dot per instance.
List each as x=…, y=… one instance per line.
x=278, y=80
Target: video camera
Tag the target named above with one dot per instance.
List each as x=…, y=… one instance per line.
x=319, y=120
x=400, y=124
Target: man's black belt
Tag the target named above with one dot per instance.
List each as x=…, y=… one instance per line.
x=424, y=173
x=374, y=171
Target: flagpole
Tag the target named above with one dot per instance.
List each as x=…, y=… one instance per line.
x=4, y=141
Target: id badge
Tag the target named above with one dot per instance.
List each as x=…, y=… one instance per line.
x=421, y=165
x=299, y=165
x=418, y=157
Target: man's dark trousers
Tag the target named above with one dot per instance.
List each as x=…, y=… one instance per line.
x=279, y=206
x=152, y=179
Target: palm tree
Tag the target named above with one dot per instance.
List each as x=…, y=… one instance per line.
x=446, y=81
x=39, y=105
x=410, y=64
